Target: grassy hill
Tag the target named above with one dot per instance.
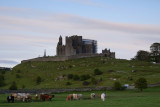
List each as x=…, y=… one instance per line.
x=54, y=74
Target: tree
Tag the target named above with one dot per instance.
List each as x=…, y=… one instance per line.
x=38, y=80
x=141, y=84
x=155, y=52
x=143, y=56
x=13, y=86
x=70, y=76
x=97, y=72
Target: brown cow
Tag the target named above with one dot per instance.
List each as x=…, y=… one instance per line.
x=36, y=97
x=69, y=97
x=47, y=97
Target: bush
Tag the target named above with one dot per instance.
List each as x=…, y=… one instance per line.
x=117, y=85
x=68, y=83
x=84, y=77
x=13, y=86
x=38, y=80
x=97, y=72
x=93, y=81
x=85, y=83
x=141, y=84
x=76, y=77
x=70, y=76
x=2, y=81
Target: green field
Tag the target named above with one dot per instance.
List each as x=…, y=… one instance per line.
x=25, y=74
x=128, y=98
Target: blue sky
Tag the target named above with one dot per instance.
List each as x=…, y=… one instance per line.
x=27, y=27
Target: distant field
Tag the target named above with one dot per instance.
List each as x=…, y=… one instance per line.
x=128, y=98
x=52, y=72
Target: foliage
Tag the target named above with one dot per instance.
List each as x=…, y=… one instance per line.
x=155, y=52
x=2, y=81
x=76, y=77
x=93, y=81
x=13, y=86
x=143, y=56
x=141, y=84
x=85, y=83
x=38, y=80
x=117, y=85
x=84, y=77
x=70, y=76
x=68, y=83
x=97, y=72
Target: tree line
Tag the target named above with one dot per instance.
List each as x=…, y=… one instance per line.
x=152, y=56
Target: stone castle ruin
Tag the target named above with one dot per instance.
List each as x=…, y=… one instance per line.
x=75, y=47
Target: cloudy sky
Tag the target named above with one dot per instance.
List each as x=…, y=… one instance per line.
x=27, y=27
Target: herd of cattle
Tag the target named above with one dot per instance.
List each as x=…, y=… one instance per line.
x=26, y=97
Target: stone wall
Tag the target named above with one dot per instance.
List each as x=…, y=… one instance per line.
x=61, y=58
x=48, y=91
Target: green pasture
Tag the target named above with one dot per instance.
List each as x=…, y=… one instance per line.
x=127, y=98
x=25, y=74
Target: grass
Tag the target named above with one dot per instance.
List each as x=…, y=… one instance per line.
x=25, y=74
x=128, y=98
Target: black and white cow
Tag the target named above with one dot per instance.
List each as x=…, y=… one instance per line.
x=10, y=99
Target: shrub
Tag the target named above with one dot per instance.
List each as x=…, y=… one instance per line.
x=141, y=84
x=76, y=77
x=13, y=86
x=97, y=72
x=130, y=78
x=38, y=80
x=68, y=83
x=117, y=85
x=84, y=77
x=70, y=76
x=85, y=83
x=111, y=71
x=2, y=81
x=93, y=81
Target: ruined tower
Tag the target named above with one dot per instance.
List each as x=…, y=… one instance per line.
x=75, y=45
x=60, y=47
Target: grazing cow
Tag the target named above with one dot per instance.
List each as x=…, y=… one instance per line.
x=36, y=97
x=47, y=97
x=28, y=98
x=103, y=95
x=77, y=96
x=69, y=97
x=93, y=95
x=10, y=99
x=22, y=96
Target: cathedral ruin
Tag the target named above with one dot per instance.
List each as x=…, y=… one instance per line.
x=75, y=45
